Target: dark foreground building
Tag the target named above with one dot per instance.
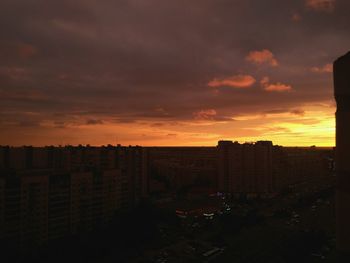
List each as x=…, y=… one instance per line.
x=342, y=96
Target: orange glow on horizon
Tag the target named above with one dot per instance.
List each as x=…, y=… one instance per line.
x=314, y=125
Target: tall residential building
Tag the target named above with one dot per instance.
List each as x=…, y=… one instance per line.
x=12, y=211
x=34, y=210
x=81, y=201
x=245, y=168
x=59, y=204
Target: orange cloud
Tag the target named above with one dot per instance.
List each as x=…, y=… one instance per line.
x=238, y=81
x=278, y=87
x=328, y=68
x=264, y=56
x=320, y=5
x=205, y=114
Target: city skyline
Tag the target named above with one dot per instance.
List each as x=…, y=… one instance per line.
x=50, y=196
x=109, y=72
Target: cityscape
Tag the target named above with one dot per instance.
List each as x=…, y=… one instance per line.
x=189, y=203
x=152, y=131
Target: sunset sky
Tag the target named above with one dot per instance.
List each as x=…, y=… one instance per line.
x=157, y=72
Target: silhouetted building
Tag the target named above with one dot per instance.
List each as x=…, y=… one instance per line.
x=245, y=168
x=342, y=96
x=249, y=168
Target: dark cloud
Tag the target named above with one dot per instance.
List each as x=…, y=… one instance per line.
x=94, y=122
x=125, y=60
x=298, y=112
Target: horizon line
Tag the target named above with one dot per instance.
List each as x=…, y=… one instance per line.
x=163, y=146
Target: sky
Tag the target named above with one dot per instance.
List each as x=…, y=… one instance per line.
x=157, y=72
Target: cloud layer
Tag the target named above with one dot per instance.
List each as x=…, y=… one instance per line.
x=89, y=71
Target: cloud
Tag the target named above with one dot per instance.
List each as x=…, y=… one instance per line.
x=59, y=124
x=264, y=56
x=23, y=95
x=328, y=68
x=114, y=61
x=298, y=112
x=94, y=122
x=321, y=5
x=279, y=87
x=208, y=114
x=14, y=73
x=157, y=124
x=274, y=87
x=238, y=81
x=74, y=28
x=29, y=123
